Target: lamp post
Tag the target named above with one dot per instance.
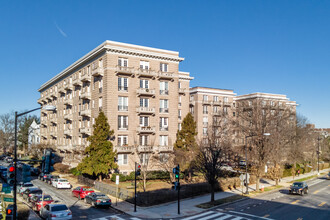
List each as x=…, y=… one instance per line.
x=246, y=163
x=47, y=108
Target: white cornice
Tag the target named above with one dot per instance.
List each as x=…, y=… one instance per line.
x=208, y=91
x=262, y=95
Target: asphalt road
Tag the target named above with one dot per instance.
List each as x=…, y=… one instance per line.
x=281, y=205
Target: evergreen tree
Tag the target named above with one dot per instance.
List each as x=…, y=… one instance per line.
x=185, y=139
x=100, y=156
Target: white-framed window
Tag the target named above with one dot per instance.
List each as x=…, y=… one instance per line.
x=205, y=111
x=225, y=99
x=163, y=105
x=225, y=110
x=191, y=98
x=163, y=67
x=216, y=109
x=180, y=98
x=100, y=102
x=250, y=103
x=144, y=83
x=205, y=131
x=122, y=122
x=163, y=88
x=144, y=158
x=163, y=140
x=216, y=98
x=179, y=85
x=205, y=97
x=144, y=140
x=280, y=104
x=122, y=159
x=263, y=102
x=179, y=126
x=122, y=62
x=163, y=124
x=144, y=121
x=100, y=63
x=272, y=103
x=122, y=84
x=122, y=140
x=122, y=103
x=144, y=102
x=179, y=114
x=144, y=65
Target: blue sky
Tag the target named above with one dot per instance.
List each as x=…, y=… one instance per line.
x=250, y=46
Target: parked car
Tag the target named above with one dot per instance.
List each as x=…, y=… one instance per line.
x=81, y=191
x=61, y=183
x=42, y=176
x=31, y=191
x=55, y=211
x=51, y=178
x=37, y=201
x=9, y=159
x=299, y=188
x=47, y=177
x=23, y=190
x=24, y=186
x=35, y=171
x=328, y=176
x=98, y=199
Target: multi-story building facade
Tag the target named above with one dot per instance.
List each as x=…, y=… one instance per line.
x=140, y=90
x=209, y=103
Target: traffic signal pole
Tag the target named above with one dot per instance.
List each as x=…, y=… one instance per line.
x=135, y=189
x=15, y=166
x=179, y=194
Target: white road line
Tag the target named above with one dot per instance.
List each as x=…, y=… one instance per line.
x=240, y=213
x=211, y=216
x=135, y=218
x=315, y=182
x=239, y=218
x=200, y=215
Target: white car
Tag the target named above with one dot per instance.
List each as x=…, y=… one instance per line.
x=24, y=186
x=61, y=183
x=55, y=211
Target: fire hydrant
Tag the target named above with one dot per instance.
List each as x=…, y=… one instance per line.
x=262, y=188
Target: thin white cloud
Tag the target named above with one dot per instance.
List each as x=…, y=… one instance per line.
x=60, y=30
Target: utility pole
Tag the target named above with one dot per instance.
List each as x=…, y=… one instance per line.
x=135, y=189
x=318, y=155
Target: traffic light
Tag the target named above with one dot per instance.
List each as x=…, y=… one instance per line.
x=26, y=173
x=10, y=175
x=48, y=161
x=138, y=169
x=176, y=185
x=9, y=212
x=176, y=171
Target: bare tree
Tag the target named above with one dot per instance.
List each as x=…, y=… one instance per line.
x=214, y=150
x=7, y=128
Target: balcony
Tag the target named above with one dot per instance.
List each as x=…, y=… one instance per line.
x=163, y=128
x=206, y=102
x=85, y=95
x=40, y=101
x=163, y=110
x=125, y=149
x=68, y=86
x=86, y=112
x=98, y=71
x=218, y=113
x=146, y=129
x=68, y=117
x=216, y=102
x=147, y=73
x=163, y=92
x=68, y=102
x=144, y=91
x=227, y=104
x=87, y=131
x=76, y=82
x=145, y=148
x=145, y=110
x=86, y=78
x=68, y=132
x=165, y=148
x=166, y=75
x=124, y=70
x=182, y=90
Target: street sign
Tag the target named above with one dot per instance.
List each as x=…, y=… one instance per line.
x=117, y=179
x=6, y=188
x=8, y=199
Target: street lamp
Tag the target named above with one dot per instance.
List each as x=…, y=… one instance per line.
x=47, y=108
x=246, y=163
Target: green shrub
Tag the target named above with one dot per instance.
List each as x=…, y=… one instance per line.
x=75, y=171
x=287, y=172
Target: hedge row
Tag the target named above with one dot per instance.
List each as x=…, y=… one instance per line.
x=151, y=175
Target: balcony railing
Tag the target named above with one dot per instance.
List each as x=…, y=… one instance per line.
x=68, y=102
x=145, y=110
x=226, y=103
x=86, y=131
x=146, y=129
x=86, y=78
x=146, y=73
x=85, y=112
x=123, y=108
x=68, y=132
x=206, y=102
x=124, y=149
x=125, y=70
x=122, y=88
x=144, y=91
x=182, y=90
x=68, y=116
x=145, y=148
x=76, y=82
x=68, y=86
x=163, y=92
x=165, y=148
x=85, y=95
x=98, y=71
x=216, y=102
x=165, y=75
x=163, y=110
x=163, y=128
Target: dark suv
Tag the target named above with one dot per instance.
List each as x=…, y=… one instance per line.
x=29, y=192
x=299, y=188
x=50, y=178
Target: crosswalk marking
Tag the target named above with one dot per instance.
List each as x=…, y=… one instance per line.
x=250, y=215
x=200, y=215
x=211, y=216
x=295, y=202
x=321, y=204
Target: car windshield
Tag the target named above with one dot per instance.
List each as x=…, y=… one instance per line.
x=102, y=197
x=46, y=198
x=297, y=184
x=86, y=189
x=28, y=185
x=59, y=208
x=63, y=180
x=36, y=192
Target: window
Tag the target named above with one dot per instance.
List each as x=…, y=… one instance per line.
x=100, y=85
x=122, y=140
x=215, y=98
x=179, y=126
x=179, y=85
x=225, y=99
x=205, y=109
x=144, y=121
x=144, y=83
x=250, y=103
x=205, y=97
x=144, y=140
x=100, y=102
x=144, y=158
x=163, y=124
x=205, y=131
x=191, y=98
x=179, y=114
x=163, y=106
x=234, y=114
x=122, y=103
x=225, y=110
x=263, y=103
x=122, y=84
x=100, y=63
x=144, y=65
x=122, y=62
x=191, y=109
x=215, y=109
x=205, y=121
x=144, y=102
x=122, y=159
x=122, y=122
x=180, y=99
x=163, y=67
x=280, y=103
x=272, y=103
x=163, y=88
x=163, y=140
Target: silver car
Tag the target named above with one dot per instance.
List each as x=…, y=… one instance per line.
x=55, y=211
x=24, y=186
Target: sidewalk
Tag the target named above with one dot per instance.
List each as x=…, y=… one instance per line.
x=188, y=206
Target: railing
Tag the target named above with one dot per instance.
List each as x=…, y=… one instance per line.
x=163, y=92
x=208, y=102
x=68, y=132
x=86, y=77
x=85, y=130
x=76, y=82
x=144, y=91
x=68, y=86
x=216, y=102
x=182, y=90
x=165, y=148
x=146, y=72
x=145, y=110
x=125, y=70
x=86, y=112
x=124, y=149
x=163, y=110
x=146, y=129
x=163, y=128
x=122, y=108
x=165, y=75
x=85, y=95
x=68, y=102
x=68, y=116
x=98, y=71
x=143, y=148
x=123, y=88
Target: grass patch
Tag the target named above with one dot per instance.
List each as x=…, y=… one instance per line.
x=306, y=178
x=266, y=189
x=208, y=205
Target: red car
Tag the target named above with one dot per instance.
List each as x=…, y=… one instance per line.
x=37, y=203
x=81, y=191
